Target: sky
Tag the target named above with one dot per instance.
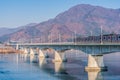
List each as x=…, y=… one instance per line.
x=15, y=13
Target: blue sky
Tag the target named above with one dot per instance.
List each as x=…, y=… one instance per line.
x=14, y=13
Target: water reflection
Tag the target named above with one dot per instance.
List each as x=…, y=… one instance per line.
x=42, y=61
x=15, y=68
x=33, y=58
x=95, y=75
x=25, y=56
x=59, y=68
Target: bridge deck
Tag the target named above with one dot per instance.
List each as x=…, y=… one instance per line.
x=68, y=43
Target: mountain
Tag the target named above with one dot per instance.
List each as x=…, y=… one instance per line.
x=6, y=32
x=79, y=20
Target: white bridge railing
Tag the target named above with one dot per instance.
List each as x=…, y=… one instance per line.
x=69, y=43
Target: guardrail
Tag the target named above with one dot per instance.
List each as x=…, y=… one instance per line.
x=70, y=43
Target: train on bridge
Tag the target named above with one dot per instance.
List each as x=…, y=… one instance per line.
x=101, y=38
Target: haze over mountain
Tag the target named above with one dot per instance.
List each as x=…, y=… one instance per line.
x=81, y=19
x=4, y=31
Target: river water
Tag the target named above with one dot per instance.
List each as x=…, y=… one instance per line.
x=18, y=67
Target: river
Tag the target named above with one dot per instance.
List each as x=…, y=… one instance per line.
x=17, y=67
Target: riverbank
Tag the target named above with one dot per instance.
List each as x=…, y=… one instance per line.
x=7, y=49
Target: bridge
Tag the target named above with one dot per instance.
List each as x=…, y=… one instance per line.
x=95, y=51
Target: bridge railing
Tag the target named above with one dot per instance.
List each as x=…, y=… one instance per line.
x=71, y=43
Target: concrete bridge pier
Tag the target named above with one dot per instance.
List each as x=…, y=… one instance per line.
x=17, y=47
x=33, y=56
x=41, y=54
x=23, y=52
x=95, y=63
x=31, y=52
x=59, y=57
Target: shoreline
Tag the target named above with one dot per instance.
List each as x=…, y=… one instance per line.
x=5, y=50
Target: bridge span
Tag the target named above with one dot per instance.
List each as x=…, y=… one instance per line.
x=95, y=51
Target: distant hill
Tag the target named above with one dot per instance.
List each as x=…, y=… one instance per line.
x=4, y=31
x=81, y=19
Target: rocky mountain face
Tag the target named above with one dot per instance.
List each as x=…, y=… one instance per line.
x=80, y=20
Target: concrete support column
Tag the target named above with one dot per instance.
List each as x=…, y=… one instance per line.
x=17, y=46
x=33, y=56
x=41, y=54
x=31, y=52
x=95, y=62
x=25, y=51
x=59, y=57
